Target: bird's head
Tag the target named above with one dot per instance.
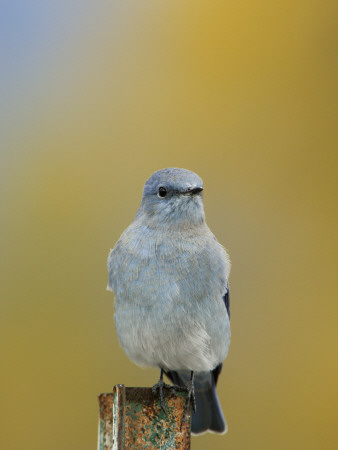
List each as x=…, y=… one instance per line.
x=173, y=197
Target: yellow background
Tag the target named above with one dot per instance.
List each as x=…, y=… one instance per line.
x=98, y=95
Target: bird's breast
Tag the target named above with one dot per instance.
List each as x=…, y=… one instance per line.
x=147, y=266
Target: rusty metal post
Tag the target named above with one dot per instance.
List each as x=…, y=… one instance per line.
x=131, y=418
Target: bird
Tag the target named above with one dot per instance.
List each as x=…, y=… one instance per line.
x=169, y=276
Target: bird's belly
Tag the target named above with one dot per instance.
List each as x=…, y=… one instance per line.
x=169, y=336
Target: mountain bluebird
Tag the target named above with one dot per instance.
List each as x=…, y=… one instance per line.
x=172, y=305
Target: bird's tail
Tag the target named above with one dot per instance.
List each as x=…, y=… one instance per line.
x=208, y=415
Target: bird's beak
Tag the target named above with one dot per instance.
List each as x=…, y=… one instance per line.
x=195, y=190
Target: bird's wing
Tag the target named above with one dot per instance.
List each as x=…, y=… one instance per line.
x=226, y=298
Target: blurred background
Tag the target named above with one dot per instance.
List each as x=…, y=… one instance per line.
x=95, y=96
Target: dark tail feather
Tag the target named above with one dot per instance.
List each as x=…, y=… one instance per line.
x=208, y=415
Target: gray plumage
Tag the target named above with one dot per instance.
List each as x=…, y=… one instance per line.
x=170, y=278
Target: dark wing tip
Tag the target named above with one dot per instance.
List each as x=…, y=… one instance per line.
x=226, y=298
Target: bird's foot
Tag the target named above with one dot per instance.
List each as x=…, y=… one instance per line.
x=160, y=386
x=190, y=389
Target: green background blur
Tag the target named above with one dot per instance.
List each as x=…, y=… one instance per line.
x=95, y=96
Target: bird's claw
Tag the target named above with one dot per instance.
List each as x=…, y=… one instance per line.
x=189, y=401
x=189, y=388
x=160, y=386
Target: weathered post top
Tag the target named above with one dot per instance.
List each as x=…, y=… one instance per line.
x=132, y=418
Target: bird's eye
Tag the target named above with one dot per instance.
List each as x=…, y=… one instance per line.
x=162, y=192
